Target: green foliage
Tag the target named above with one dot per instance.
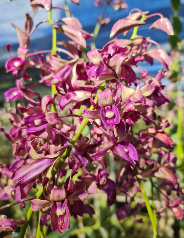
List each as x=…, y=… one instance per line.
x=171, y=105
x=173, y=40
x=175, y=5
x=177, y=26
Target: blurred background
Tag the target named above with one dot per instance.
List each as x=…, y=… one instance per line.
x=104, y=224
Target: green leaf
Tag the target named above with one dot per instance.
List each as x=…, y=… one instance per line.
x=173, y=40
x=175, y=5
x=177, y=26
x=171, y=105
x=173, y=76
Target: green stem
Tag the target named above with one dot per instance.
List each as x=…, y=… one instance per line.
x=29, y=214
x=150, y=212
x=152, y=198
x=97, y=27
x=134, y=35
x=179, y=147
x=54, y=49
x=39, y=233
x=67, y=8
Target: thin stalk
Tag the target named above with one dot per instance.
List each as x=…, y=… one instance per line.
x=152, y=199
x=180, y=152
x=67, y=8
x=134, y=35
x=97, y=27
x=39, y=232
x=150, y=212
x=29, y=214
x=54, y=49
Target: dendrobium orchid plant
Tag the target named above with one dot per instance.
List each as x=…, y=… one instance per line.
x=114, y=98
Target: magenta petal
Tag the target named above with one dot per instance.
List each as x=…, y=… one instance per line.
x=127, y=151
x=53, y=217
x=14, y=64
x=66, y=99
x=52, y=118
x=102, y=114
x=80, y=157
x=3, y=195
x=128, y=73
x=66, y=223
x=96, y=71
x=101, y=153
x=117, y=115
x=13, y=94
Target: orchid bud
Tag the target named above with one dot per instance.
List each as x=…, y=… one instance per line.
x=28, y=24
x=75, y=1
x=57, y=194
x=47, y=4
x=124, y=25
x=23, y=38
x=163, y=24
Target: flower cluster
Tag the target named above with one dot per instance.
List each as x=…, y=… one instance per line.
x=114, y=98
